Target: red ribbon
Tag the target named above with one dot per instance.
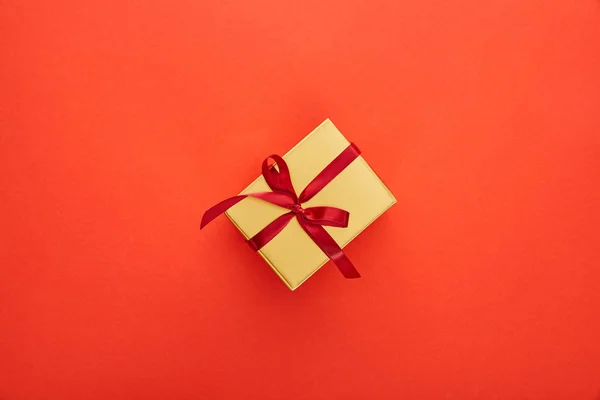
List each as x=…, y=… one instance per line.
x=311, y=219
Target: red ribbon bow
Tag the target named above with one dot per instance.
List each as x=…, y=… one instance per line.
x=311, y=219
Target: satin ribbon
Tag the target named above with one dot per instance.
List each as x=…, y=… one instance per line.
x=311, y=219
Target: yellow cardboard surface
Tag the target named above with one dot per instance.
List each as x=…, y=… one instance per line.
x=357, y=189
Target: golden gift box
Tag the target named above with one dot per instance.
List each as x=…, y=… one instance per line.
x=357, y=189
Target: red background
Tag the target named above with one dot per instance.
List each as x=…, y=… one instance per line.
x=122, y=121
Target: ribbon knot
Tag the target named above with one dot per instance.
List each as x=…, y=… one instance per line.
x=297, y=209
x=312, y=219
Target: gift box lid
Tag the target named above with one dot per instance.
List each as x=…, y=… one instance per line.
x=357, y=189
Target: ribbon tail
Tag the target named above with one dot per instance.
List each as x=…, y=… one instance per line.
x=329, y=246
x=219, y=209
x=278, y=199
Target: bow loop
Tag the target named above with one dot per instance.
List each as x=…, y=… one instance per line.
x=278, y=176
x=326, y=216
